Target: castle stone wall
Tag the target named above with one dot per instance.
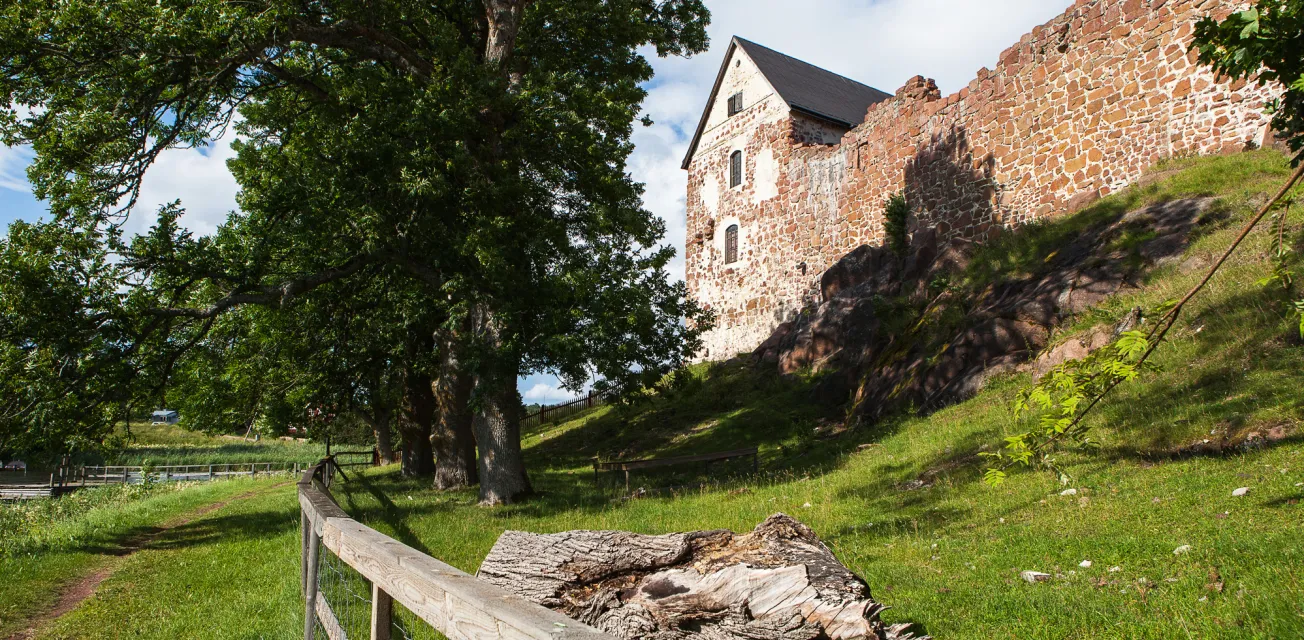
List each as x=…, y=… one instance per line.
x=1079, y=108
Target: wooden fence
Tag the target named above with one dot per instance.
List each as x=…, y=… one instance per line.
x=67, y=478
x=353, y=576
x=559, y=412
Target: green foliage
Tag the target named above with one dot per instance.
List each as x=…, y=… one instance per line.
x=1060, y=399
x=896, y=214
x=1265, y=42
x=397, y=172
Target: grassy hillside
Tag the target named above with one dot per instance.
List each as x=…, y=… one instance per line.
x=899, y=501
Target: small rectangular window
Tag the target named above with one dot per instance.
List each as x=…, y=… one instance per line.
x=731, y=244
x=735, y=103
x=735, y=169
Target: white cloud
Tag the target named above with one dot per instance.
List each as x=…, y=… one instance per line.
x=199, y=178
x=545, y=394
x=13, y=164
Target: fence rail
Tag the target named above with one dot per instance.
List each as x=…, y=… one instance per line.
x=67, y=478
x=346, y=565
x=558, y=412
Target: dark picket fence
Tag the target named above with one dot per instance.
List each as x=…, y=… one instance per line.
x=560, y=412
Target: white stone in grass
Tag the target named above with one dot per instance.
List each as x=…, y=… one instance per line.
x=1240, y=492
x=1069, y=492
x=1182, y=549
x=1115, y=569
x=1085, y=564
x=806, y=506
x=1033, y=577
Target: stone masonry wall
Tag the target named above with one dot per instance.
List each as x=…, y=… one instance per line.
x=1079, y=108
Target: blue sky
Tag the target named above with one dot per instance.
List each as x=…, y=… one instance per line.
x=879, y=42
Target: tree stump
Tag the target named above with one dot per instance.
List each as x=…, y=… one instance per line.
x=778, y=582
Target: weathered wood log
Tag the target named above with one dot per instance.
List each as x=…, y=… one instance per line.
x=778, y=582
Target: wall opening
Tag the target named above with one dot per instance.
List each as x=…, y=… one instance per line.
x=731, y=244
x=735, y=103
x=735, y=169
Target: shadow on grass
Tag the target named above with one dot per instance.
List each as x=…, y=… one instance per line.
x=385, y=510
x=731, y=405
x=1239, y=375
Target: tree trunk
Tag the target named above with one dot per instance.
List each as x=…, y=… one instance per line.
x=497, y=425
x=418, y=457
x=778, y=582
x=384, y=439
x=498, y=434
x=415, y=427
x=453, y=439
x=382, y=429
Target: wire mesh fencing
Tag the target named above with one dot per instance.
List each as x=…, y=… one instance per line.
x=340, y=603
x=346, y=603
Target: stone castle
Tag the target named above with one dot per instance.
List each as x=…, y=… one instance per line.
x=791, y=165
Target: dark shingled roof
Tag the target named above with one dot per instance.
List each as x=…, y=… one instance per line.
x=805, y=87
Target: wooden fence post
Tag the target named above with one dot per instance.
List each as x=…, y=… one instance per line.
x=382, y=614
x=305, y=530
x=310, y=580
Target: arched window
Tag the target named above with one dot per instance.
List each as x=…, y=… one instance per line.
x=735, y=169
x=731, y=244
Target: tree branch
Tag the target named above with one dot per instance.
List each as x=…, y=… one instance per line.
x=308, y=86
x=367, y=42
x=1157, y=334
x=272, y=295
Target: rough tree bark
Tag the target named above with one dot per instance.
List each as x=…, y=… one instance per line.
x=501, y=464
x=497, y=424
x=778, y=582
x=453, y=439
x=381, y=427
x=415, y=426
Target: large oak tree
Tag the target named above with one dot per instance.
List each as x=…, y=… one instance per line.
x=477, y=150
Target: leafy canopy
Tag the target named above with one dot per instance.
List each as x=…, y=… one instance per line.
x=415, y=147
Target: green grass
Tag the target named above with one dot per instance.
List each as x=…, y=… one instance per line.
x=908, y=510
x=48, y=545
x=233, y=573
x=173, y=445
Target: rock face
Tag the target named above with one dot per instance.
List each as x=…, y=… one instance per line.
x=957, y=340
x=778, y=582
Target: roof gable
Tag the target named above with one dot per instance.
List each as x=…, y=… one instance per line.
x=802, y=86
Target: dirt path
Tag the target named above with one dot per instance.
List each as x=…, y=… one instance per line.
x=73, y=594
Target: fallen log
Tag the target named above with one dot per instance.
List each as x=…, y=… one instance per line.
x=778, y=582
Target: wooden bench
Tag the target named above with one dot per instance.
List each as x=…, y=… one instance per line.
x=649, y=463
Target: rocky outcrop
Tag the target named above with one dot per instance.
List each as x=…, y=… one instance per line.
x=955, y=338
